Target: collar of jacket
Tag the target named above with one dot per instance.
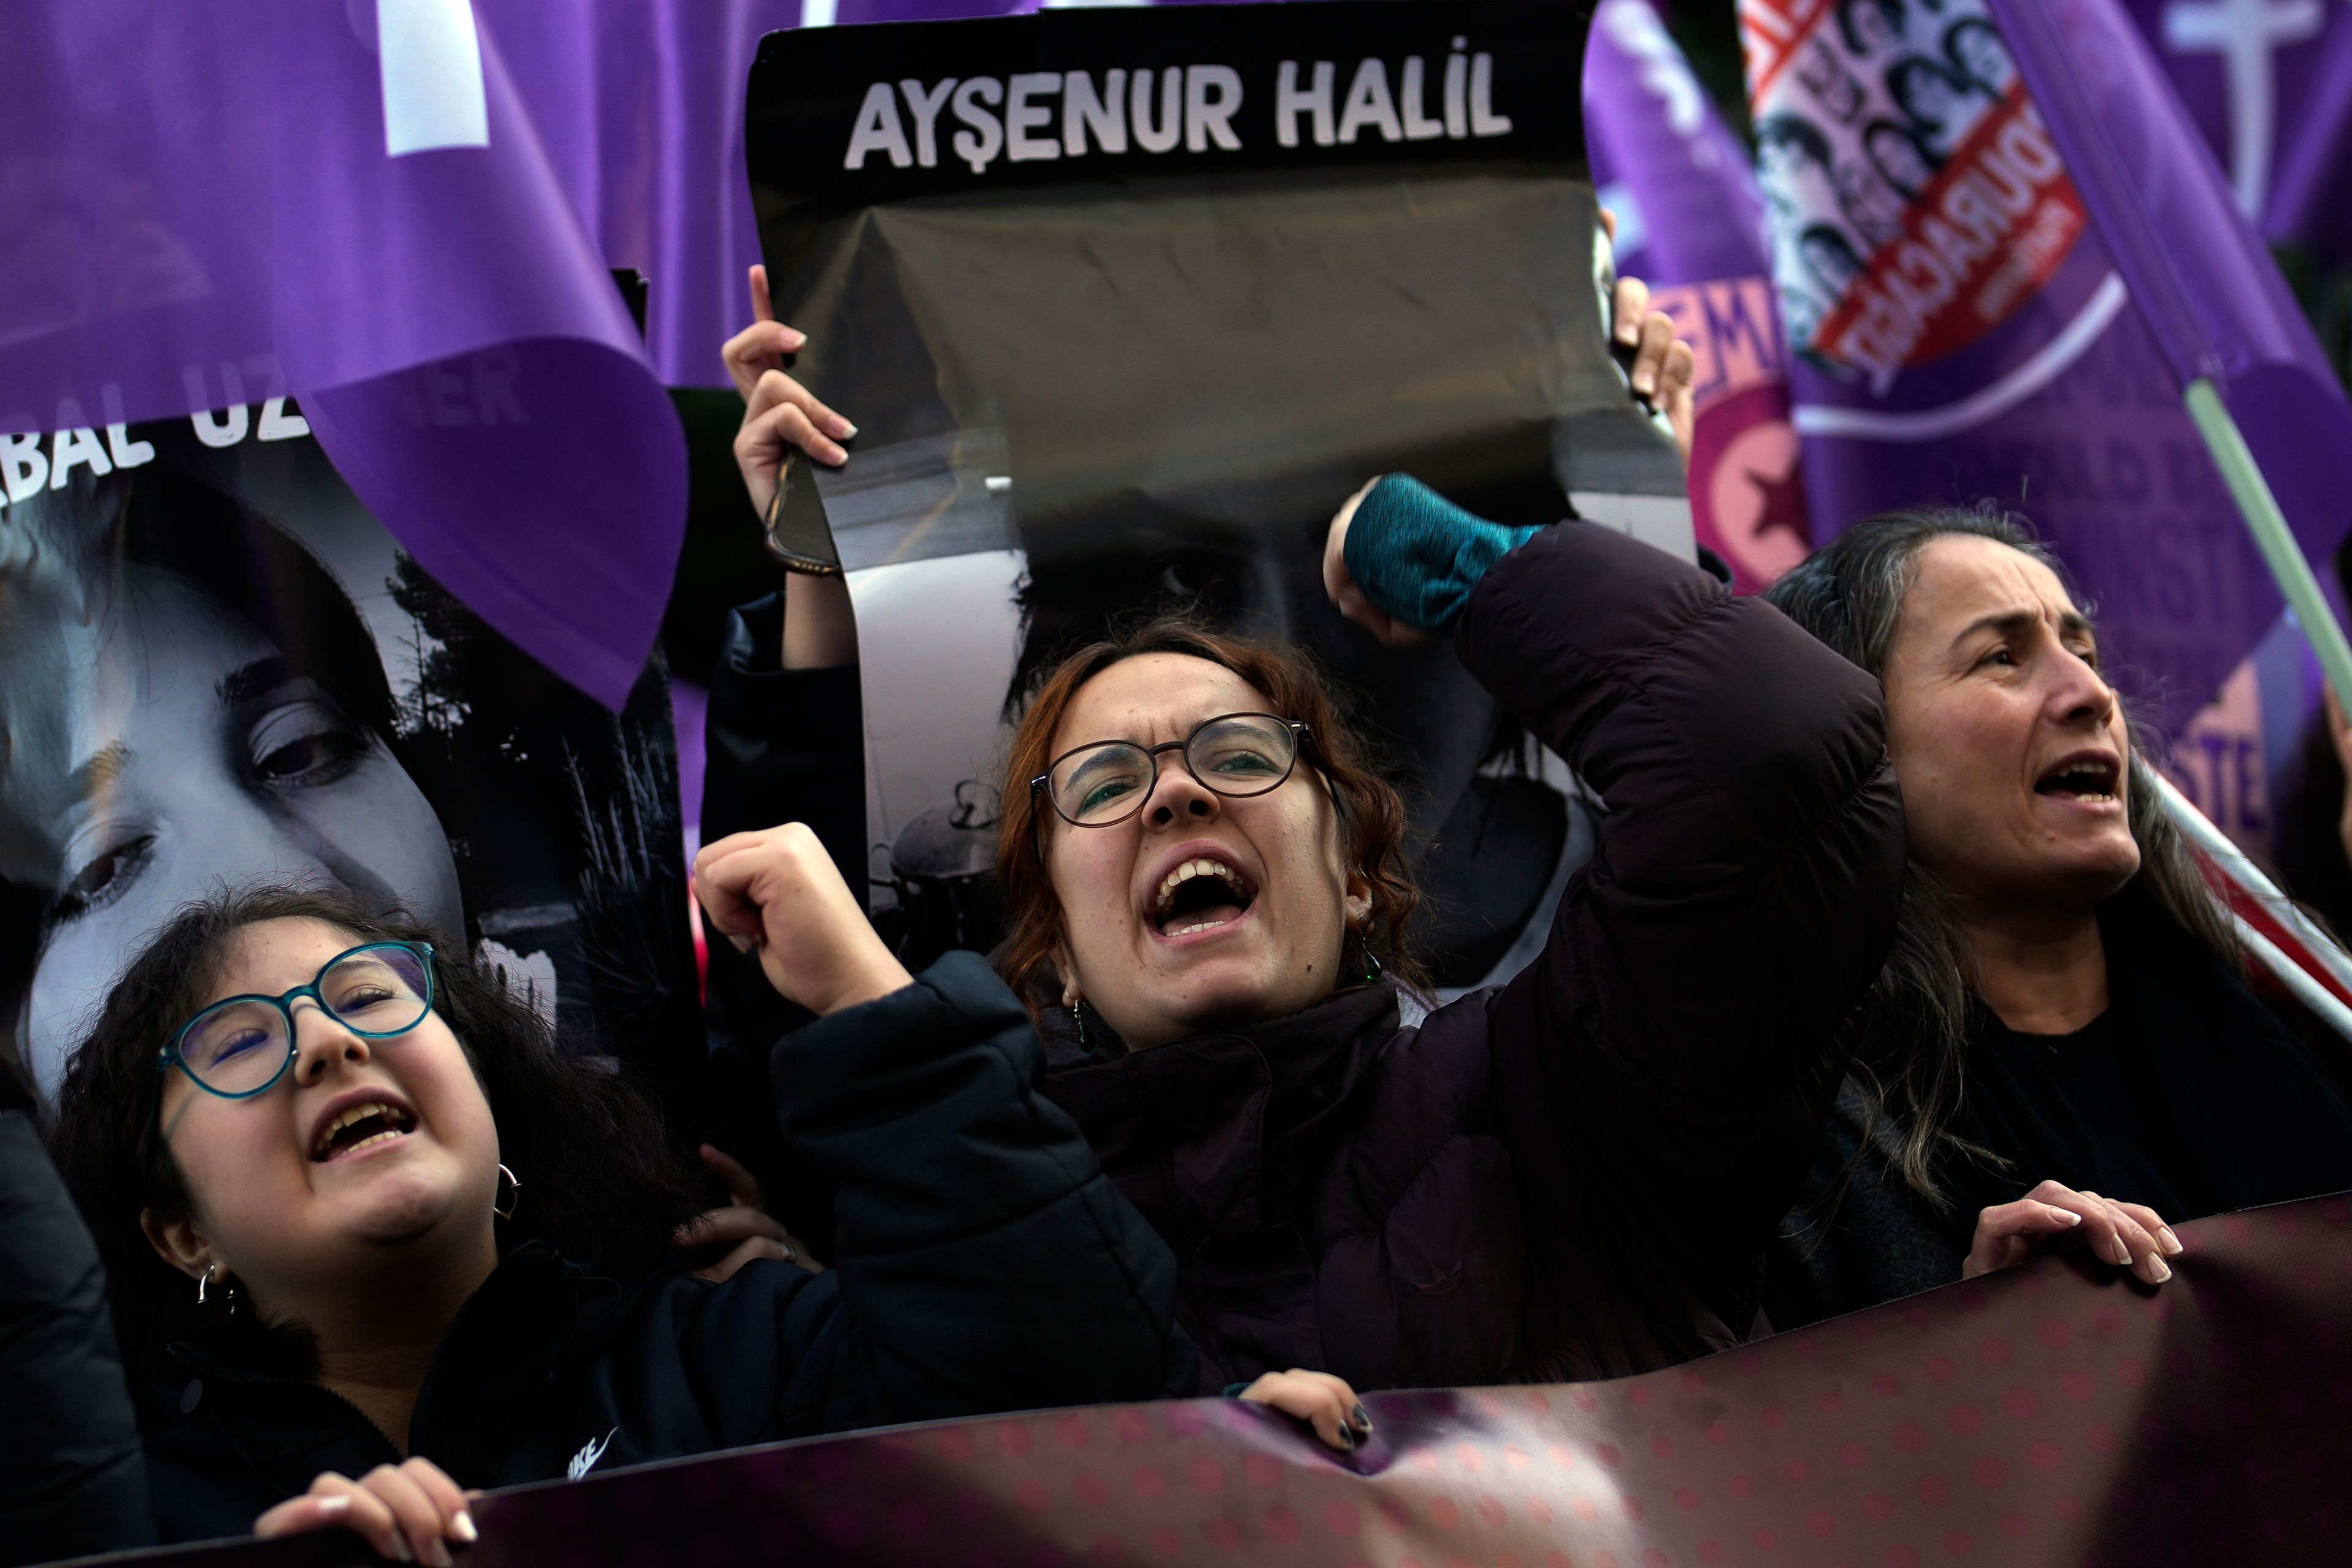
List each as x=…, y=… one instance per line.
x=536, y=1311
x=1218, y=1135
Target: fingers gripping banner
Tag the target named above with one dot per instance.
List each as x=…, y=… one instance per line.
x=2052, y=1413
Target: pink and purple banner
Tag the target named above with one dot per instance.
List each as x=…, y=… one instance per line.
x=2055, y=1413
x=1691, y=223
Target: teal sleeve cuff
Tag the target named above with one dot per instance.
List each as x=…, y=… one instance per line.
x=1416, y=556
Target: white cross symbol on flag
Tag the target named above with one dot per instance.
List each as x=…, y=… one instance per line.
x=2246, y=34
x=431, y=58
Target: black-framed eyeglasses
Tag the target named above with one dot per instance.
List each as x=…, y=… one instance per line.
x=240, y=1045
x=1234, y=755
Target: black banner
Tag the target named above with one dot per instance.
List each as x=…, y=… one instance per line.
x=848, y=117
x=1122, y=347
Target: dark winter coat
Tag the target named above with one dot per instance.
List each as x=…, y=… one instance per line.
x=985, y=1264
x=72, y=1479
x=1576, y=1173
x=2188, y=1095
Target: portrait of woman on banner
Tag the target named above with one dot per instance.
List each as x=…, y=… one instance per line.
x=194, y=700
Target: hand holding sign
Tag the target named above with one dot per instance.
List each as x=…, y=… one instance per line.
x=778, y=413
x=1661, y=369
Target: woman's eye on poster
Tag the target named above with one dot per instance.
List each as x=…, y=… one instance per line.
x=225, y=673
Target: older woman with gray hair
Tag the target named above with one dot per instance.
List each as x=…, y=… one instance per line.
x=2062, y=1047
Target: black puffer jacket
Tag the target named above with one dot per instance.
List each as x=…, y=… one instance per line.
x=1576, y=1173
x=71, y=1480
x=985, y=1264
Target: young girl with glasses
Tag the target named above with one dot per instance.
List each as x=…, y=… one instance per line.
x=375, y=1238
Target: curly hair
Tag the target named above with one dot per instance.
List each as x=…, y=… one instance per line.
x=1372, y=814
x=608, y=1183
x=1911, y=1049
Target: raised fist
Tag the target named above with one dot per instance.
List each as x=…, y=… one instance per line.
x=776, y=892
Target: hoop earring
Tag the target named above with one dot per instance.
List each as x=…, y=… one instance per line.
x=514, y=1195
x=228, y=1287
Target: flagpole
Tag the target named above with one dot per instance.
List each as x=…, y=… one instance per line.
x=2268, y=524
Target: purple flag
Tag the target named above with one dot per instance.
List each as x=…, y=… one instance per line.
x=2199, y=275
x=218, y=207
x=1690, y=221
x=1964, y=329
x=640, y=104
x=2310, y=200
x=1684, y=194
x=2268, y=83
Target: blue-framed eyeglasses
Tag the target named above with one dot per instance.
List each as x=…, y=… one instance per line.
x=241, y=1046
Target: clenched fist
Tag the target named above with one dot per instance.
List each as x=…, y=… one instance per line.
x=776, y=893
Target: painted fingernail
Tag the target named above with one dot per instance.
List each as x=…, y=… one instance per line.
x=1361, y=1419
x=2069, y=1215
x=741, y=943
x=332, y=1506
x=400, y=1548
x=2156, y=1266
x=2172, y=1243
x=462, y=1527
x=794, y=337
x=843, y=430
x=440, y=1556
x=1644, y=383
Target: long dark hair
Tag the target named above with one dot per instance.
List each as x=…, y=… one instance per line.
x=1910, y=1056
x=1371, y=815
x=605, y=1183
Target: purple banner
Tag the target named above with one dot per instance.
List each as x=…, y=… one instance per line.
x=216, y=208
x=1972, y=319
x=2055, y=1413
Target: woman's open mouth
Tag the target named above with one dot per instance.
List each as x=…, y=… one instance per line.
x=361, y=1127
x=1200, y=894
x=2089, y=782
